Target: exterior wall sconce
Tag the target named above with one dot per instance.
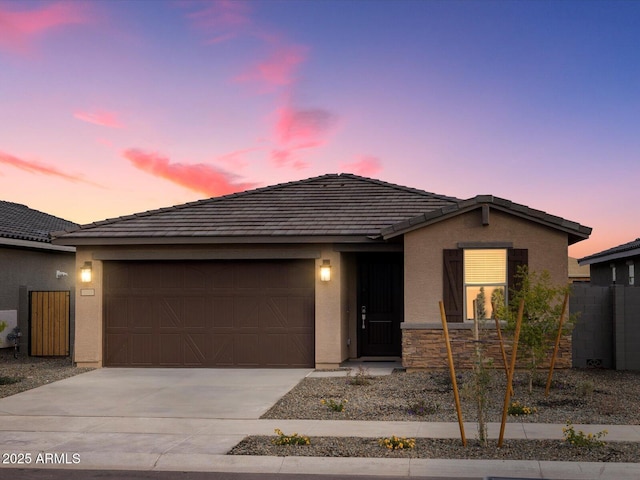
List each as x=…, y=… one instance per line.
x=325, y=271
x=85, y=273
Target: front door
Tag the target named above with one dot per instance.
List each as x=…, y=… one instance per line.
x=380, y=304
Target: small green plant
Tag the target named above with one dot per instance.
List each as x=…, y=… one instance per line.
x=397, y=443
x=361, y=377
x=518, y=409
x=585, y=389
x=541, y=316
x=331, y=404
x=9, y=380
x=293, y=439
x=423, y=407
x=581, y=439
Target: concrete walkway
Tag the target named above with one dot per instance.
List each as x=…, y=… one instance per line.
x=140, y=435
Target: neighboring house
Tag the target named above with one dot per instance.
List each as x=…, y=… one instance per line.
x=303, y=274
x=607, y=333
x=615, y=266
x=29, y=263
x=577, y=272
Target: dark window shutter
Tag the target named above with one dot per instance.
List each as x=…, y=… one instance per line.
x=453, y=283
x=515, y=257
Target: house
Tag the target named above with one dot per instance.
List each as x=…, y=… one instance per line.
x=578, y=273
x=607, y=333
x=615, y=266
x=302, y=274
x=33, y=271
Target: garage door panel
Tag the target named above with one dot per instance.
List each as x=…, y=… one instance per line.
x=195, y=348
x=170, y=349
x=221, y=276
x=299, y=309
x=171, y=313
x=247, y=350
x=116, y=346
x=247, y=311
x=195, y=313
x=143, y=278
x=172, y=276
x=278, y=343
x=300, y=276
x=275, y=314
x=117, y=311
x=300, y=347
x=216, y=313
x=222, y=351
x=141, y=313
x=195, y=278
x=143, y=350
x=222, y=311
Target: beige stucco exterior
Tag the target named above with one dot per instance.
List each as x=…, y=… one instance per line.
x=88, y=341
x=423, y=264
x=336, y=309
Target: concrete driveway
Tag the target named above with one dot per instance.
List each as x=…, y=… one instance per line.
x=158, y=393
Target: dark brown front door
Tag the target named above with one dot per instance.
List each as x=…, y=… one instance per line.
x=380, y=304
x=209, y=313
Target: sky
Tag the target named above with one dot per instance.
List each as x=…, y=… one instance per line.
x=108, y=108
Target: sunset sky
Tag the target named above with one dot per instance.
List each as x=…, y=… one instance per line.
x=113, y=107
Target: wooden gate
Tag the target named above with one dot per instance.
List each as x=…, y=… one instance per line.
x=49, y=324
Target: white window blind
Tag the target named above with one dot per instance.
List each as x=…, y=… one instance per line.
x=485, y=266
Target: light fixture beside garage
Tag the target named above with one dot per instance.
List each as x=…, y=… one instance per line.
x=85, y=273
x=325, y=270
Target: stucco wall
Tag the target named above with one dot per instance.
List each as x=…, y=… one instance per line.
x=423, y=255
x=88, y=338
x=25, y=270
x=331, y=330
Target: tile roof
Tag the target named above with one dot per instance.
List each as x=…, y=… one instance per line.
x=576, y=231
x=332, y=205
x=629, y=249
x=20, y=222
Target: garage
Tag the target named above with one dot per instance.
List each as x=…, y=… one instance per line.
x=223, y=313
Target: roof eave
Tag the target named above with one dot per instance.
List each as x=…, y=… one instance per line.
x=217, y=240
x=575, y=231
x=30, y=244
x=609, y=257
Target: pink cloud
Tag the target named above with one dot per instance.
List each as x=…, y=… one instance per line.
x=278, y=70
x=18, y=28
x=198, y=177
x=38, y=168
x=297, y=130
x=102, y=118
x=298, y=126
x=236, y=159
x=365, y=165
x=287, y=157
x=220, y=20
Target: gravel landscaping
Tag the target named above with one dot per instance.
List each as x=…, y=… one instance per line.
x=544, y=450
x=25, y=373
x=579, y=396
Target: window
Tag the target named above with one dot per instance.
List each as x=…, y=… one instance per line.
x=613, y=273
x=485, y=281
x=631, y=272
x=453, y=281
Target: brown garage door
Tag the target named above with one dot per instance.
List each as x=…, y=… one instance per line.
x=209, y=314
